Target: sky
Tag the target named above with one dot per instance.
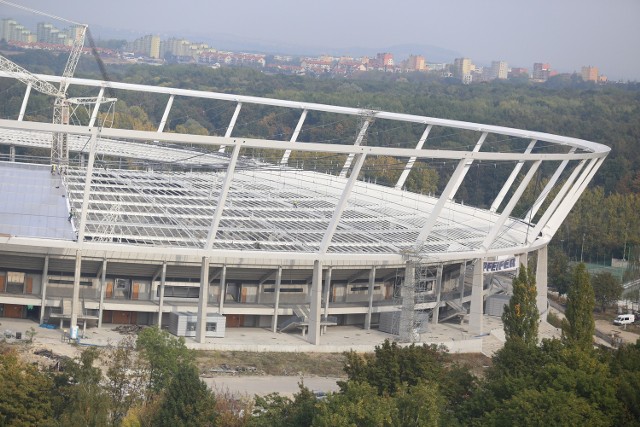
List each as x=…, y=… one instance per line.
x=568, y=34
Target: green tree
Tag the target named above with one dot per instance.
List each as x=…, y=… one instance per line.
x=579, y=326
x=26, y=393
x=84, y=400
x=277, y=410
x=125, y=380
x=186, y=401
x=559, y=270
x=606, y=288
x=357, y=405
x=520, y=317
x=163, y=354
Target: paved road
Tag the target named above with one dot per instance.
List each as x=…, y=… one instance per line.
x=263, y=385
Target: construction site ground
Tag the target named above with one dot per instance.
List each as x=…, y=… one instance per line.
x=232, y=363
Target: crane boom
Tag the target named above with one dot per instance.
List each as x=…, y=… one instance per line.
x=28, y=78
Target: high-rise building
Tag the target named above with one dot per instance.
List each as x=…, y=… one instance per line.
x=148, y=45
x=385, y=59
x=462, y=68
x=416, y=63
x=499, y=70
x=541, y=71
x=590, y=74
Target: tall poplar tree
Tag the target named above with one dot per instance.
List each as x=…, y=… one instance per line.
x=520, y=317
x=579, y=326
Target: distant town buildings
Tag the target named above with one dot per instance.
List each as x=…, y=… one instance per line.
x=590, y=74
x=151, y=48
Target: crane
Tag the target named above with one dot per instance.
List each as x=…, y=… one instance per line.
x=61, y=106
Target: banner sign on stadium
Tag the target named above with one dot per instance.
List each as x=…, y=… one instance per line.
x=502, y=265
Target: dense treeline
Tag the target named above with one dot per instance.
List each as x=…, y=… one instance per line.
x=564, y=105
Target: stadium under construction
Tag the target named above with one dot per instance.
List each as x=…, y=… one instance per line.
x=283, y=232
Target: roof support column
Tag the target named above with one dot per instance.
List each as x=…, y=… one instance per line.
x=294, y=137
x=541, y=281
x=276, y=305
x=103, y=285
x=316, y=300
x=372, y=280
x=201, y=331
x=12, y=153
x=23, y=107
x=223, y=286
x=163, y=279
x=45, y=282
x=232, y=123
x=75, y=299
x=412, y=160
x=477, y=300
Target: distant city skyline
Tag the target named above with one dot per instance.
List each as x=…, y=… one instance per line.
x=568, y=34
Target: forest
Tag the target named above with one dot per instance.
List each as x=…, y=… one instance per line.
x=604, y=224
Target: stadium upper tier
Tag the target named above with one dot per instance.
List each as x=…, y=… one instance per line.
x=219, y=199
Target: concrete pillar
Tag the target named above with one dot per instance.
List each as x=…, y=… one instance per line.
x=276, y=306
x=461, y=279
x=372, y=280
x=436, y=311
x=477, y=300
x=12, y=153
x=541, y=280
x=103, y=286
x=163, y=279
x=223, y=288
x=43, y=293
x=316, y=303
x=327, y=295
x=75, y=301
x=408, y=295
x=524, y=259
x=201, y=328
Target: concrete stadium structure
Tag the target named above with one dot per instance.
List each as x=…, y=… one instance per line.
x=140, y=224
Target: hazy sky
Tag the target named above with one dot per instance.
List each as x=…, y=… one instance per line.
x=566, y=33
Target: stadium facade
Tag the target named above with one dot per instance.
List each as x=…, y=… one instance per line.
x=140, y=224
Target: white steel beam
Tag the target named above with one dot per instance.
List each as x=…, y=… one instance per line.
x=25, y=100
x=294, y=137
x=165, y=115
x=547, y=189
x=342, y=204
x=224, y=191
x=232, y=124
x=497, y=226
x=447, y=194
x=361, y=134
x=551, y=209
x=459, y=179
x=571, y=199
x=412, y=160
x=512, y=177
